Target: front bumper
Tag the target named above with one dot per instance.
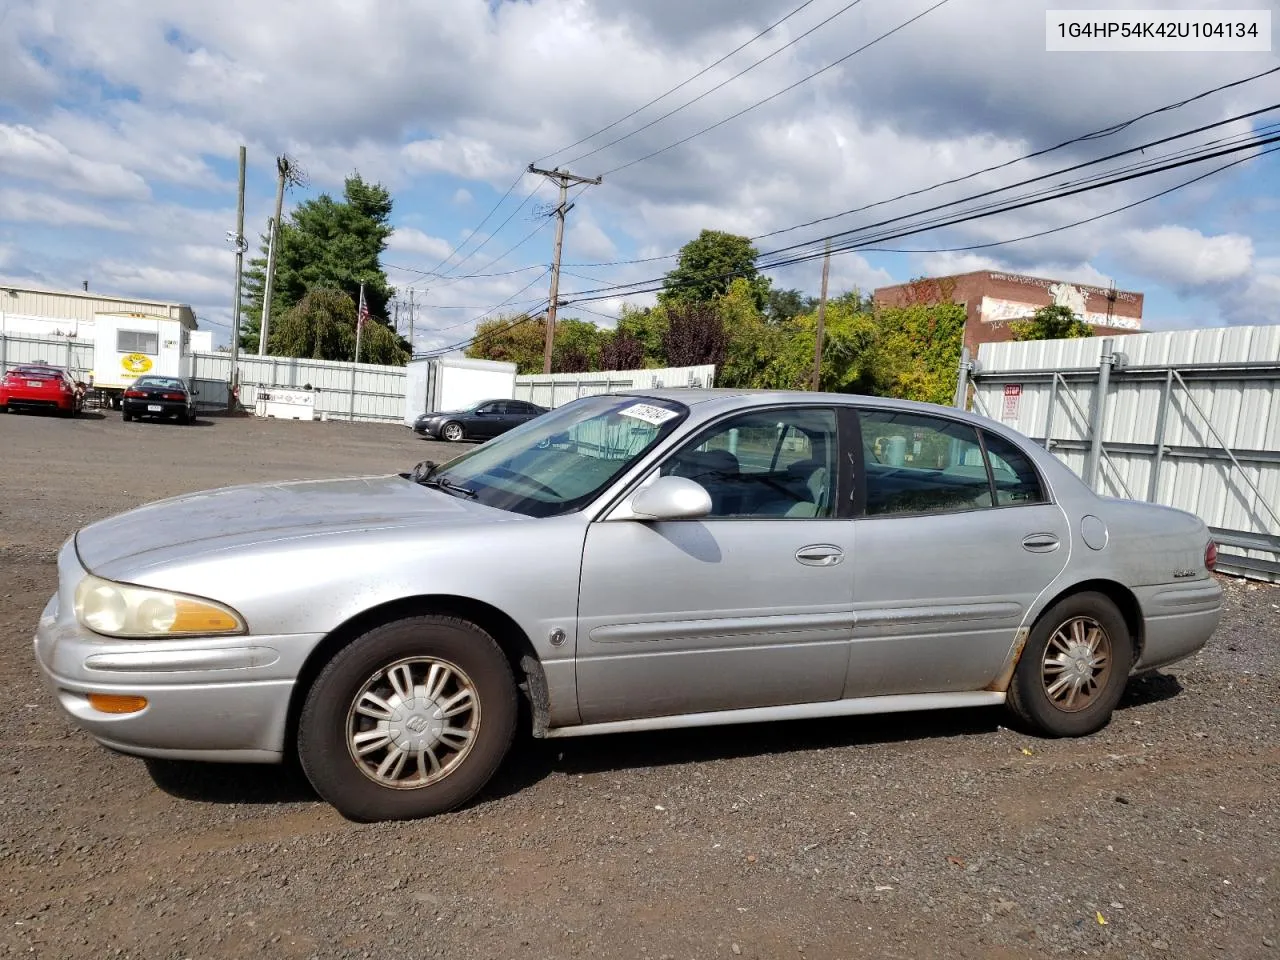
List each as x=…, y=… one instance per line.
x=216, y=698
x=429, y=428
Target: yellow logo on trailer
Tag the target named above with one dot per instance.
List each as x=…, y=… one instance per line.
x=136, y=362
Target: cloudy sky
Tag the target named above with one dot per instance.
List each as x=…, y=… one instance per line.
x=120, y=123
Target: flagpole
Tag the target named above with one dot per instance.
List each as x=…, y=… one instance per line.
x=361, y=310
x=360, y=322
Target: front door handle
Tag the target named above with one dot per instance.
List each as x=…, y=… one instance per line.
x=820, y=555
x=1040, y=543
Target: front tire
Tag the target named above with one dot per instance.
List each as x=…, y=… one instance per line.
x=1074, y=667
x=453, y=432
x=410, y=720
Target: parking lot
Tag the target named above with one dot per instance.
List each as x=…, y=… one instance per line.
x=918, y=835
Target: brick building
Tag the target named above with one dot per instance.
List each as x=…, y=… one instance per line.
x=993, y=300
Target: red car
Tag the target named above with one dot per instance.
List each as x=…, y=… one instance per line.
x=40, y=386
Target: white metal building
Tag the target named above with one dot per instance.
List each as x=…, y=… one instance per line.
x=27, y=310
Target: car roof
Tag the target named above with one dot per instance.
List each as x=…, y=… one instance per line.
x=744, y=399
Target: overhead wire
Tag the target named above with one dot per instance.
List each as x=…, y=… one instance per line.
x=683, y=83
x=774, y=96
x=718, y=86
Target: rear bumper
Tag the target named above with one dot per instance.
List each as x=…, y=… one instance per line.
x=168, y=408
x=1178, y=620
x=38, y=401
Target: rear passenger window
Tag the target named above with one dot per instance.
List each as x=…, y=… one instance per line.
x=920, y=464
x=1016, y=479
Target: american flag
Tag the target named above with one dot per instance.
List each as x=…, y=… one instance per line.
x=363, y=314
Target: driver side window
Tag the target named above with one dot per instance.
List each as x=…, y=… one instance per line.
x=773, y=464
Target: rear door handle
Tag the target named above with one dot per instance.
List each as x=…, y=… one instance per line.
x=820, y=555
x=1040, y=543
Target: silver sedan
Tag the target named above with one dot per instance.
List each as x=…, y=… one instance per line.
x=626, y=562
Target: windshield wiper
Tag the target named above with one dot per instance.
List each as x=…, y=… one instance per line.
x=447, y=485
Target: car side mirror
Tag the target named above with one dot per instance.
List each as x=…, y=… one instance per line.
x=671, y=498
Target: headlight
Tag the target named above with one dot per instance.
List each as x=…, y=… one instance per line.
x=123, y=610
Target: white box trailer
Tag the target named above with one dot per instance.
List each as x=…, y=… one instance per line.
x=454, y=383
x=128, y=345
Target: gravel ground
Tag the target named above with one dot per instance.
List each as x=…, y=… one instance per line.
x=920, y=835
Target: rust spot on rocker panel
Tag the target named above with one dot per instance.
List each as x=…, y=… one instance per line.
x=1001, y=683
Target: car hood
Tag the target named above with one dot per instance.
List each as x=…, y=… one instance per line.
x=199, y=523
x=431, y=414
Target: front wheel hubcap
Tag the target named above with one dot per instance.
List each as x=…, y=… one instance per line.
x=1076, y=664
x=413, y=723
x=452, y=433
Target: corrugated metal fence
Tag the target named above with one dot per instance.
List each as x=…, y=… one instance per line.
x=557, y=389
x=343, y=391
x=1190, y=419
x=75, y=355
x=364, y=391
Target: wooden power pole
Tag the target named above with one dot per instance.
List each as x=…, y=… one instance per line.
x=822, y=319
x=238, y=240
x=563, y=178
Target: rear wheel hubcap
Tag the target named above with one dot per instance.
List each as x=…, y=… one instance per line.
x=1076, y=664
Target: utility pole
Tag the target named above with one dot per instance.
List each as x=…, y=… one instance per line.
x=564, y=178
x=411, y=323
x=822, y=319
x=288, y=174
x=238, y=240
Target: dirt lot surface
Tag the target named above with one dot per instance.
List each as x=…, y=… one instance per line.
x=943, y=835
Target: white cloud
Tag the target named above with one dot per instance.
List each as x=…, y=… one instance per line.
x=23, y=206
x=411, y=242
x=31, y=154
x=1185, y=258
x=462, y=196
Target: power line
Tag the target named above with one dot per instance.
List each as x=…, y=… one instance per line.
x=470, y=276
x=1076, y=223
x=970, y=199
x=847, y=248
x=492, y=210
x=494, y=309
x=684, y=83
x=718, y=86
x=483, y=243
x=1093, y=135
x=800, y=255
x=786, y=89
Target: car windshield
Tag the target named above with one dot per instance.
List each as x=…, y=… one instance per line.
x=560, y=461
x=163, y=383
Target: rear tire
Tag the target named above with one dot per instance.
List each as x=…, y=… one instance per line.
x=1074, y=667
x=410, y=720
x=126, y=416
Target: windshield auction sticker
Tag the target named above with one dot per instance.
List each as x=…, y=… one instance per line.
x=648, y=413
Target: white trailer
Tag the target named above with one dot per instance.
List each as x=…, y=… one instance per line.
x=128, y=345
x=454, y=383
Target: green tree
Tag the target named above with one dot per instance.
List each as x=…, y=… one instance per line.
x=512, y=338
x=321, y=326
x=784, y=305
x=326, y=243
x=576, y=346
x=647, y=326
x=1054, y=322
x=708, y=266
x=754, y=345
x=918, y=351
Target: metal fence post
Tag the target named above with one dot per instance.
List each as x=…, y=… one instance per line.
x=962, y=381
x=1098, y=421
x=353, y=393
x=1166, y=397
x=4, y=354
x=1048, y=414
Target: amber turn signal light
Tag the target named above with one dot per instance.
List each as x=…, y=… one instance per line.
x=116, y=703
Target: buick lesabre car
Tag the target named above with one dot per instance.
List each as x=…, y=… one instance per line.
x=623, y=563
